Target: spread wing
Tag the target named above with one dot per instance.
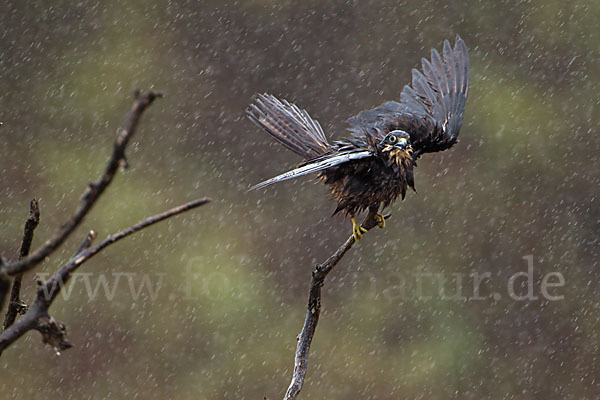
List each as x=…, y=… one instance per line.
x=319, y=164
x=431, y=109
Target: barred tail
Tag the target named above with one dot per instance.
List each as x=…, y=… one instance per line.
x=289, y=125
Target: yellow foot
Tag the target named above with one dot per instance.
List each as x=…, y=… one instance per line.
x=357, y=230
x=380, y=220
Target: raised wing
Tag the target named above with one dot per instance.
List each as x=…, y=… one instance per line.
x=289, y=125
x=431, y=109
x=315, y=166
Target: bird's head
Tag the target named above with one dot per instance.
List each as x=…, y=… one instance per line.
x=396, y=145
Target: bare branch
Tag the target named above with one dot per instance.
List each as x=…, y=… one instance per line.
x=4, y=284
x=30, y=224
x=37, y=317
x=55, y=283
x=93, y=192
x=314, y=310
x=16, y=305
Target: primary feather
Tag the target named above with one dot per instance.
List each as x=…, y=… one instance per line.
x=431, y=109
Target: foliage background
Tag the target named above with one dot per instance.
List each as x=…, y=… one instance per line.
x=522, y=181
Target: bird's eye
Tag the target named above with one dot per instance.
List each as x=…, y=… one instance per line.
x=392, y=139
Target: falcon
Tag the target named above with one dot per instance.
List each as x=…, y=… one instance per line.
x=374, y=166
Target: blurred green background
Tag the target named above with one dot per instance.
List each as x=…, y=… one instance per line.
x=231, y=278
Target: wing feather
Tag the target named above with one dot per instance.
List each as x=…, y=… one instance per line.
x=431, y=108
x=314, y=166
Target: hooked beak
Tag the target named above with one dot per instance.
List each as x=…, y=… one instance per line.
x=402, y=144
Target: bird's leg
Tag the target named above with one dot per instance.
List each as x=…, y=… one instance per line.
x=357, y=230
x=380, y=220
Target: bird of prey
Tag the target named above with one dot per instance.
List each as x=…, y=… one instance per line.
x=374, y=166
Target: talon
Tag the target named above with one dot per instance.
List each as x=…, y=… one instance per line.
x=380, y=220
x=357, y=230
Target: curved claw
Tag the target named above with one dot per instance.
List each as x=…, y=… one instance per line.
x=357, y=230
x=380, y=219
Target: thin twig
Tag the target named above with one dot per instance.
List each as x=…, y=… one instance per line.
x=93, y=192
x=87, y=242
x=37, y=317
x=15, y=305
x=55, y=283
x=314, y=310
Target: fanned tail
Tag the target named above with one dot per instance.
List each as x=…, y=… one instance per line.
x=289, y=125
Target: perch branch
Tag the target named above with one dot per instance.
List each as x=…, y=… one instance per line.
x=314, y=310
x=37, y=317
x=93, y=192
x=15, y=305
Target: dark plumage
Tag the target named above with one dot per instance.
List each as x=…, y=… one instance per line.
x=374, y=166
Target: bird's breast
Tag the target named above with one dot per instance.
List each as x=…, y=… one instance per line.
x=402, y=159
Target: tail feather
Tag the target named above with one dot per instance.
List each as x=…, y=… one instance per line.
x=289, y=125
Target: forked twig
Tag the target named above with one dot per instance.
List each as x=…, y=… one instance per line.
x=93, y=192
x=37, y=317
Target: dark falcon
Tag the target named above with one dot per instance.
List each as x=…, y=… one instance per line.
x=375, y=165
